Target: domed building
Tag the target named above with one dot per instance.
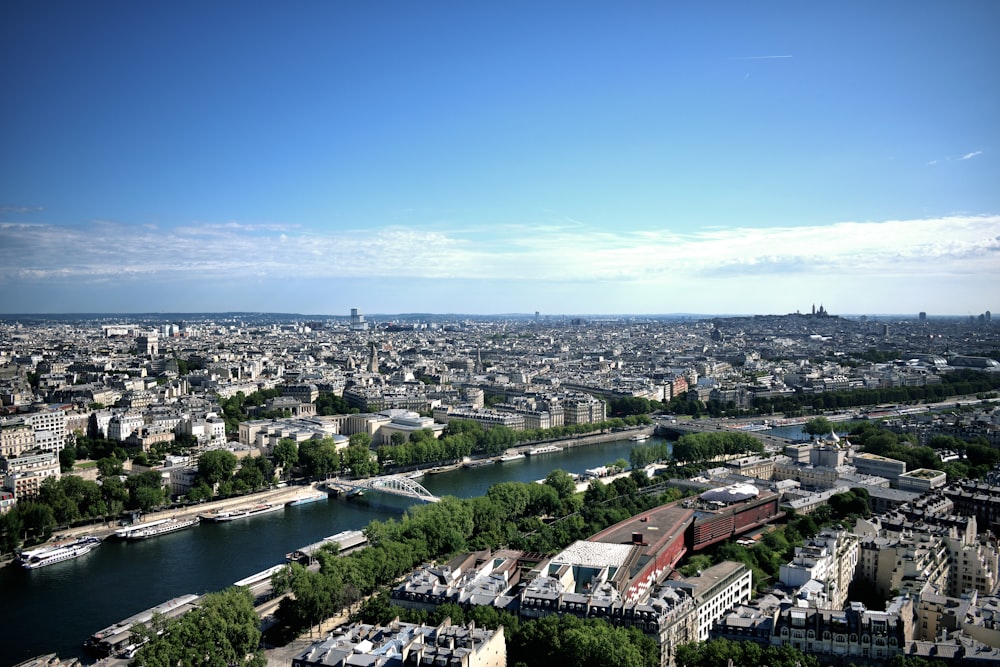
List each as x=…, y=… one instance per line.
x=734, y=493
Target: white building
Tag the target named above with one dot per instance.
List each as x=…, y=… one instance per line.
x=50, y=429
x=716, y=591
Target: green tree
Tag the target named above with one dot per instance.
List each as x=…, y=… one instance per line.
x=109, y=466
x=319, y=458
x=360, y=440
x=285, y=454
x=818, y=426
x=67, y=458
x=561, y=481
x=216, y=465
x=222, y=631
x=146, y=491
x=37, y=520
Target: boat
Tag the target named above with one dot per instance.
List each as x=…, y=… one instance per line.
x=441, y=469
x=142, y=531
x=346, y=541
x=117, y=639
x=546, y=449
x=306, y=499
x=416, y=474
x=57, y=553
x=639, y=437
x=478, y=463
x=511, y=457
x=219, y=516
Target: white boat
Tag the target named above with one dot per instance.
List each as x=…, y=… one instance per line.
x=58, y=553
x=117, y=639
x=219, y=516
x=639, y=437
x=306, y=499
x=547, y=449
x=511, y=457
x=142, y=531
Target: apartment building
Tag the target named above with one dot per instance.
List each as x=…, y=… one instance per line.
x=402, y=644
x=716, y=591
x=23, y=474
x=905, y=564
x=828, y=559
x=844, y=634
x=124, y=424
x=49, y=427
x=16, y=436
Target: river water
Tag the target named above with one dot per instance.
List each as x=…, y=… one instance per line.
x=55, y=608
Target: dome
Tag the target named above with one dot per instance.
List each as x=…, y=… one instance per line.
x=731, y=494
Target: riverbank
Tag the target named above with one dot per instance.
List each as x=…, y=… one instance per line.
x=287, y=493
x=589, y=439
x=278, y=495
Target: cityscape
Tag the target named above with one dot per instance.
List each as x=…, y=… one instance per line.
x=864, y=450
x=488, y=334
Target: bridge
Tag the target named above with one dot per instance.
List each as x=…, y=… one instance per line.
x=393, y=484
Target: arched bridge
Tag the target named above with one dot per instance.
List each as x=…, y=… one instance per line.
x=394, y=484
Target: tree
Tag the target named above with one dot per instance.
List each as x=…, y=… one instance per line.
x=37, y=520
x=67, y=458
x=254, y=473
x=216, y=465
x=319, y=457
x=818, y=426
x=360, y=440
x=357, y=457
x=109, y=467
x=561, y=481
x=222, y=631
x=146, y=491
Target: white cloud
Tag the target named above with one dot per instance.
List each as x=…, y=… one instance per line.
x=970, y=155
x=559, y=251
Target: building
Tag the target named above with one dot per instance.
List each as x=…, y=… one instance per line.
x=479, y=578
x=851, y=633
x=124, y=424
x=50, y=428
x=145, y=437
x=23, y=474
x=828, y=559
x=978, y=499
x=16, y=436
x=753, y=466
x=404, y=423
x=584, y=409
x=716, y=591
x=485, y=418
x=147, y=345
x=879, y=466
x=904, y=564
x=358, y=321
x=921, y=480
x=723, y=513
x=401, y=644
x=305, y=393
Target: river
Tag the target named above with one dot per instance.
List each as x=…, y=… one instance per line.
x=55, y=608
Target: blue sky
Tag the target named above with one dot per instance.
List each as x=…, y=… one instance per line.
x=487, y=157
